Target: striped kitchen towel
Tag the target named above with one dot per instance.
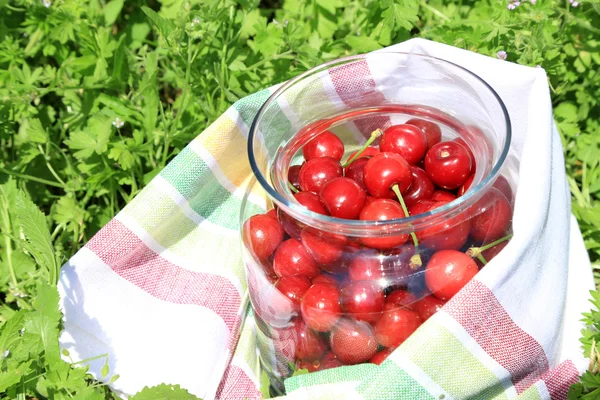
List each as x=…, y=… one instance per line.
x=161, y=288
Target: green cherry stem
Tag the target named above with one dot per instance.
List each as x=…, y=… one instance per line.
x=415, y=261
x=292, y=187
x=482, y=259
x=374, y=135
x=476, y=251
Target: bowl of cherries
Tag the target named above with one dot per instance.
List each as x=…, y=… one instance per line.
x=387, y=190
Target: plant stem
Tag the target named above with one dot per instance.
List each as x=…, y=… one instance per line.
x=292, y=187
x=482, y=259
x=52, y=171
x=415, y=261
x=476, y=251
x=90, y=359
x=374, y=135
x=7, y=240
x=32, y=178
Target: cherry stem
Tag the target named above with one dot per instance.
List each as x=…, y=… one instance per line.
x=374, y=135
x=476, y=251
x=482, y=259
x=415, y=261
x=292, y=187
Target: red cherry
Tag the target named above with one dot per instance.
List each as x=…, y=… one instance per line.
x=355, y=171
x=465, y=186
x=263, y=234
x=421, y=189
x=448, y=271
x=395, y=326
x=493, y=216
x=316, y=172
x=428, y=306
x=369, y=200
x=380, y=356
x=451, y=233
x=400, y=298
x=309, y=345
x=309, y=200
x=503, y=186
x=490, y=253
x=293, y=287
x=432, y=131
x=272, y=213
x=326, y=144
x=407, y=140
x=383, y=210
x=466, y=146
x=420, y=207
x=364, y=300
x=343, y=198
x=353, y=342
x=367, y=152
x=294, y=176
x=321, y=306
x=323, y=246
x=367, y=266
x=311, y=366
x=448, y=164
x=325, y=278
x=385, y=170
x=329, y=361
x=442, y=195
x=291, y=258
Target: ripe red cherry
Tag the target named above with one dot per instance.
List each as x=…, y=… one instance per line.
x=395, y=326
x=293, y=287
x=400, y=298
x=383, y=210
x=442, y=195
x=504, y=187
x=451, y=233
x=493, y=216
x=355, y=171
x=326, y=144
x=407, y=140
x=325, y=278
x=421, y=189
x=272, y=213
x=420, y=207
x=294, y=176
x=324, y=247
x=428, y=306
x=309, y=200
x=465, y=186
x=316, y=172
x=364, y=300
x=385, y=170
x=490, y=253
x=369, y=200
x=309, y=345
x=380, y=356
x=448, y=164
x=263, y=234
x=432, y=131
x=291, y=258
x=320, y=306
x=367, y=152
x=368, y=266
x=448, y=271
x=343, y=198
x=466, y=146
x=329, y=361
x=353, y=342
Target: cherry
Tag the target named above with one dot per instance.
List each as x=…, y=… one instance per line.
x=466, y=146
x=400, y=298
x=448, y=164
x=380, y=356
x=428, y=306
x=442, y=195
x=316, y=172
x=326, y=144
x=369, y=200
x=311, y=366
x=263, y=234
x=320, y=306
x=309, y=345
x=465, y=186
x=367, y=152
x=448, y=271
x=343, y=198
x=452, y=233
x=310, y=201
x=407, y=140
x=367, y=266
x=353, y=342
x=291, y=258
x=490, y=253
x=383, y=210
x=293, y=287
x=395, y=326
x=432, y=131
x=272, y=213
x=355, y=171
x=420, y=207
x=421, y=189
x=503, y=186
x=363, y=299
x=325, y=278
x=324, y=247
x=493, y=216
x=385, y=170
x=329, y=361
x=294, y=176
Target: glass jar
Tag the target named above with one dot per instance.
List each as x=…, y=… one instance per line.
x=330, y=291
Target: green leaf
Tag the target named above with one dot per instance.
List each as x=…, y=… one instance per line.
x=36, y=132
x=362, y=44
x=120, y=71
x=112, y=10
x=10, y=333
x=165, y=26
x=94, y=139
x=164, y=392
x=44, y=322
x=265, y=385
x=13, y=376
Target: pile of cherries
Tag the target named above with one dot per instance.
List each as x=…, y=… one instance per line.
x=355, y=299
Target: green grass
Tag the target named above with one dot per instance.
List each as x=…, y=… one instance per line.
x=97, y=96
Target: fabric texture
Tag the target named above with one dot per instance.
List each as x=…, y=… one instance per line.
x=162, y=289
